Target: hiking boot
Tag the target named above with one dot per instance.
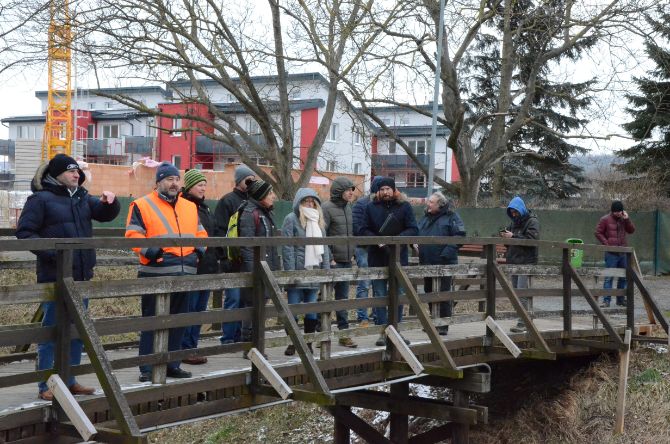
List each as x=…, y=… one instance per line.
x=346, y=341
x=309, y=346
x=364, y=324
x=622, y=304
x=46, y=395
x=605, y=304
x=145, y=377
x=443, y=330
x=407, y=341
x=78, y=389
x=290, y=350
x=519, y=328
x=195, y=360
x=381, y=341
x=178, y=373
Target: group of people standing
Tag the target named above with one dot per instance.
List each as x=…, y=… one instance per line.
x=61, y=208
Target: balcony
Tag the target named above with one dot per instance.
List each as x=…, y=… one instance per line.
x=385, y=162
x=121, y=146
x=7, y=148
x=205, y=145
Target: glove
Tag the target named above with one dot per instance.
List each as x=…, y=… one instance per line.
x=154, y=253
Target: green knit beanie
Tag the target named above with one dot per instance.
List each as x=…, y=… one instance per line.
x=191, y=178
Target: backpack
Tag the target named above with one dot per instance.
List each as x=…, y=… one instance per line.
x=234, y=254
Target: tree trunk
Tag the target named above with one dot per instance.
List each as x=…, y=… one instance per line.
x=469, y=191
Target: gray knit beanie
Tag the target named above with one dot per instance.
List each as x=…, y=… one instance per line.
x=242, y=172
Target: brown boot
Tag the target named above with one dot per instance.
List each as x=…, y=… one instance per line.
x=78, y=389
x=46, y=395
x=195, y=360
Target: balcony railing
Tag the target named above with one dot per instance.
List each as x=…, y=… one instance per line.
x=7, y=148
x=397, y=161
x=121, y=146
x=205, y=145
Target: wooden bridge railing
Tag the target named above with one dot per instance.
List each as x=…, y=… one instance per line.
x=69, y=295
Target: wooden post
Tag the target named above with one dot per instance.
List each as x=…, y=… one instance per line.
x=258, y=319
x=326, y=295
x=567, y=294
x=461, y=431
x=490, y=288
x=399, y=422
x=624, y=359
x=394, y=296
x=159, y=371
x=342, y=434
x=62, y=347
x=630, y=293
x=217, y=303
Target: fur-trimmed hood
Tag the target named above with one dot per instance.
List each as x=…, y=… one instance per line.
x=41, y=180
x=398, y=196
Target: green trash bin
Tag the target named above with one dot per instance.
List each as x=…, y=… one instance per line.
x=576, y=256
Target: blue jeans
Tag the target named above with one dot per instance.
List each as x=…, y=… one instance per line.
x=178, y=304
x=614, y=260
x=342, y=292
x=380, y=289
x=197, y=302
x=362, y=290
x=302, y=295
x=231, y=330
x=45, y=350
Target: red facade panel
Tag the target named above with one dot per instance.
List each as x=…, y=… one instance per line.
x=309, y=124
x=181, y=144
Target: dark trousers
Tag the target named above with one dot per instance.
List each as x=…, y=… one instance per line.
x=615, y=260
x=342, y=292
x=178, y=304
x=446, y=307
x=197, y=302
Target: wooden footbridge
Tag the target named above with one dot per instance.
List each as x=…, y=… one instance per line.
x=336, y=380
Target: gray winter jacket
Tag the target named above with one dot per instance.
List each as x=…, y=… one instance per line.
x=338, y=219
x=293, y=257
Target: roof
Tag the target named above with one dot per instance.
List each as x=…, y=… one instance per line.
x=409, y=131
x=255, y=79
x=294, y=105
x=124, y=115
x=27, y=119
x=123, y=90
x=389, y=108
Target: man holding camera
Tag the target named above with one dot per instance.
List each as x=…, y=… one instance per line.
x=611, y=231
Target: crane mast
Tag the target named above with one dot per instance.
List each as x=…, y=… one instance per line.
x=58, y=128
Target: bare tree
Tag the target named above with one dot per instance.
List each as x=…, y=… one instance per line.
x=526, y=42
x=225, y=44
x=23, y=34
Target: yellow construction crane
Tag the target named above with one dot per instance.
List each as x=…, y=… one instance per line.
x=58, y=128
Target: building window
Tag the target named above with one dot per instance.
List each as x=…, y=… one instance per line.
x=386, y=121
x=110, y=131
x=262, y=162
x=91, y=105
x=21, y=132
x=176, y=161
x=417, y=180
x=404, y=121
x=90, y=131
x=332, y=134
x=357, y=168
x=176, y=124
x=417, y=146
x=357, y=138
x=109, y=105
x=294, y=94
x=252, y=127
x=392, y=146
x=331, y=165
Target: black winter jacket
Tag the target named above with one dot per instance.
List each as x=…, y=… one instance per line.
x=446, y=222
x=338, y=222
x=50, y=212
x=526, y=227
x=209, y=263
x=256, y=221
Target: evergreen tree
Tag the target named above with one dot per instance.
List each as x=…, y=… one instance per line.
x=537, y=159
x=651, y=112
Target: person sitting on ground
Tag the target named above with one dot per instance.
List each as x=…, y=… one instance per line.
x=305, y=221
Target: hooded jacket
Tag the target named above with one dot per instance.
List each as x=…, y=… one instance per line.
x=338, y=219
x=293, y=257
x=446, y=222
x=257, y=221
x=526, y=226
x=51, y=212
x=376, y=212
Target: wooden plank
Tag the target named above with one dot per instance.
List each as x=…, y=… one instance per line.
x=490, y=290
x=291, y=326
x=567, y=293
x=523, y=314
x=435, y=435
x=71, y=407
x=404, y=350
x=399, y=422
x=649, y=299
x=624, y=361
x=270, y=374
x=327, y=295
x=159, y=370
x=647, y=307
x=110, y=385
x=594, y=305
x=424, y=317
x=341, y=433
x=357, y=425
x=597, y=345
x=502, y=336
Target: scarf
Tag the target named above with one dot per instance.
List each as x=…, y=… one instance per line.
x=313, y=253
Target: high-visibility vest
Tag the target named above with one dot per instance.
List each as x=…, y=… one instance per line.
x=161, y=219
